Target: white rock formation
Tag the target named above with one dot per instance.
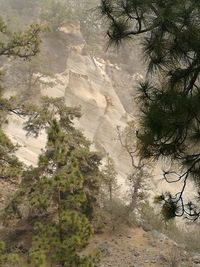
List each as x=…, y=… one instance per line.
x=84, y=83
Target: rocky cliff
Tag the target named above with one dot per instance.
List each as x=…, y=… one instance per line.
x=104, y=91
x=84, y=81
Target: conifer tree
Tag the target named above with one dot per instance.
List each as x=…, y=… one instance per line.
x=169, y=98
x=109, y=178
x=57, y=197
x=23, y=45
x=9, y=259
x=75, y=143
x=61, y=191
x=19, y=44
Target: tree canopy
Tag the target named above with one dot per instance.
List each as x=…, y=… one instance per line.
x=20, y=44
x=23, y=45
x=169, y=97
x=58, y=196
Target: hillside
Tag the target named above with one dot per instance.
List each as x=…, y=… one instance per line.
x=74, y=177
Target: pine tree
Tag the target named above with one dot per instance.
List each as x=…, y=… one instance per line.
x=59, y=192
x=9, y=259
x=20, y=44
x=23, y=45
x=109, y=179
x=170, y=100
x=62, y=191
x=62, y=188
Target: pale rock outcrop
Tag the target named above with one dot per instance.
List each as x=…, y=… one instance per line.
x=92, y=84
x=84, y=83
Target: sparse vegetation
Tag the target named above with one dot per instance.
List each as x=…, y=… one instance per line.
x=57, y=206
x=140, y=174
x=186, y=236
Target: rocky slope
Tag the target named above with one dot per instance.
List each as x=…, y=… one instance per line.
x=104, y=91
x=133, y=247
x=82, y=82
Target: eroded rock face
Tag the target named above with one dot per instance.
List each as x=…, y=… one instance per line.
x=86, y=84
x=93, y=84
x=83, y=83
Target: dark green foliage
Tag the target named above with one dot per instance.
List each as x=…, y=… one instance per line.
x=9, y=259
x=10, y=167
x=41, y=117
x=61, y=192
x=58, y=196
x=170, y=103
x=19, y=45
x=109, y=180
x=169, y=206
x=169, y=210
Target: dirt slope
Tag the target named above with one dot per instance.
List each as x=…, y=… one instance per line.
x=133, y=247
